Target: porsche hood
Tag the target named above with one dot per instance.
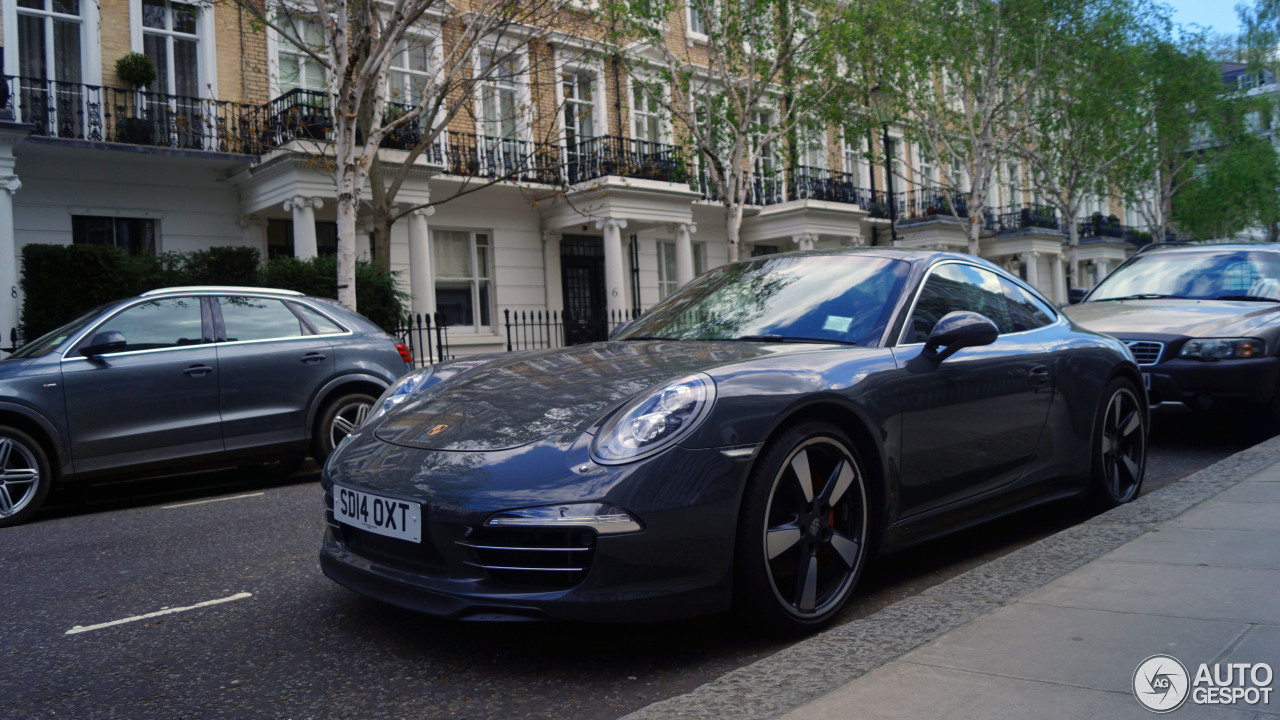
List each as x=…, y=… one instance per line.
x=518, y=399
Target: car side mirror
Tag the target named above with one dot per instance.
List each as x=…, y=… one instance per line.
x=956, y=330
x=618, y=330
x=1076, y=295
x=104, y=342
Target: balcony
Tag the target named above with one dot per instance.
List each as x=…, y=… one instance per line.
x=75, y=111
x=810, y=183
x=1098, y=228
x=1015, y=218
x=595, y=158
x=926, y=203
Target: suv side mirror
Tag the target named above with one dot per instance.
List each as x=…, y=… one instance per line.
x=1076, y=295
x=956, y=330
x=104, y=342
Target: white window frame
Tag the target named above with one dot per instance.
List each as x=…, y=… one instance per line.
x=524, y=124
x=90, y=41
x=853, y=160
x=435, y=59
x=814, y=137
x=599, y=108
x=664, y=125
x=275, y=45
x=206, y=49
x=690, y=17
x=475, y=280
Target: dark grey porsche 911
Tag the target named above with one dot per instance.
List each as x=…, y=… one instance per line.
x=752, y=439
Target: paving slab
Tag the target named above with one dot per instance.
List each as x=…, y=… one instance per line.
x=1086, y=648
x=1232, y=515
x=1251, y=492
x=1200, y=546
x=906, y=691
x=1219, y=593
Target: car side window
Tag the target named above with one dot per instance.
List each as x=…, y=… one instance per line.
x=1026, y=311
x=955, y=286
x=322, y=324
x=163, y=323
x=251, y=318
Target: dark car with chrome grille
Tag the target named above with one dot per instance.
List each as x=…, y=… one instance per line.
x=754, y=438
x=1203, y=323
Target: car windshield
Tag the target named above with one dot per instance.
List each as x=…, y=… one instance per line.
x=1234, y=274
x=822, y=298
x=51, y=340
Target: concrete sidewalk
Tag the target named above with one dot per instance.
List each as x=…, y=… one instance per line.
x=1056, y=629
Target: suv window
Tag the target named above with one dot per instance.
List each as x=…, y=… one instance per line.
x=955, y=286
x=251, y=318
x=168, y=322
x=322, y=324
x=1026, y=311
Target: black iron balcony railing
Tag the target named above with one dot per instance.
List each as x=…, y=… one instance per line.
x=930, y=202
x=76, y=111
x=810, y=183
x=1014, y=218
x=599, y=157
x=764, y=189
x=1100, y=228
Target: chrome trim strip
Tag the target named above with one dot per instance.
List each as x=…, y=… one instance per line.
x=219, y=289
x=528, y=549
x=523, y=569
x=604, y=524
x=740, y=452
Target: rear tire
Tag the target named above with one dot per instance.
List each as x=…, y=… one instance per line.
x=25, y=476
x=803, y=530
x=1119, y=446
x=340, y=417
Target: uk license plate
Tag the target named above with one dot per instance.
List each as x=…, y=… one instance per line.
x=378, y=514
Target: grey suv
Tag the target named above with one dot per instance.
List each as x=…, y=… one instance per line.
x=186, y=378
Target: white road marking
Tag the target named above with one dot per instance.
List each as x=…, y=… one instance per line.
x=202, y=502
x=167, y=611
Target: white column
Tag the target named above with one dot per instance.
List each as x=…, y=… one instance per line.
x=804, y=241
x=304, y=224
x=551, y=270
x=421, y=281
x=1101, y=269
x=1032, y=261
x=1059, y=280
x=9, y=184
x=684, y=251
x=614, y=274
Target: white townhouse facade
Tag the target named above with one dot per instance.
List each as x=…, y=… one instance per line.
x=226, y=148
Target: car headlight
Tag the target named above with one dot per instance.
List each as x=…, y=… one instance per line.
x=1222, y=348
x=654, y=421
x=402, y=390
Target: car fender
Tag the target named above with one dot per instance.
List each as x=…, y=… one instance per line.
x=335, y=383
x=59, y=442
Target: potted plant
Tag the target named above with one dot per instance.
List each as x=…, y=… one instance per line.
x=137, y=71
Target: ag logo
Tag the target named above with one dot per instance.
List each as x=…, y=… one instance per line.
x=1161, y=683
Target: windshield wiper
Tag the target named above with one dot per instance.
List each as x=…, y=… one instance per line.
x=1143, y=296
x=1254, y=298
x=788, y=339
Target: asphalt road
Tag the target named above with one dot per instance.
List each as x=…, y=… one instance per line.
x=288, y=643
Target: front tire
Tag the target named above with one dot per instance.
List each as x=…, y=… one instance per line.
x=25, y=476
x=803, y=530
x=340, y=417
x=1119, y=446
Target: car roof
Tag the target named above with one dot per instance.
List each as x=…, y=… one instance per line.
x=221, y=289
x=1201, y=247
x=896, y=253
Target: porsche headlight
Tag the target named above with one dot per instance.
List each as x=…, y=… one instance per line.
x=654, y=421
x=1222, y=348
x=402, y=390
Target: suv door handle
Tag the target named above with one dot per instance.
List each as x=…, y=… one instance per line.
x=1039, y=375
x=198, y=370
x=313, y=357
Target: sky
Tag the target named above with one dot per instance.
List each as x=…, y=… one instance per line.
x=1218, y=14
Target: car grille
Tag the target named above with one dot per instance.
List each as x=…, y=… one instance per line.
x=1145, y=352
x=533, y=557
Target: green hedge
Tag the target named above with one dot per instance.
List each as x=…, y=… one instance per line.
x=61, y=281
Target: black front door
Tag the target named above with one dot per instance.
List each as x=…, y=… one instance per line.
x=582, y=276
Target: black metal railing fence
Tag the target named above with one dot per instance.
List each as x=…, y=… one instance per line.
x=538, y=329
x=426, y=337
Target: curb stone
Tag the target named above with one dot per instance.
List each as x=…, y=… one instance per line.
x=819, y=664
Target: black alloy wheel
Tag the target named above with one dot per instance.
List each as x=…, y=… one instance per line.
x=340, y=418
x=25, y=476
x=1120, y=446
x=803, y=531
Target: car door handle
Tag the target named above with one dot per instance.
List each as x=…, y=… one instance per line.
x=1039, y=375
x=312, y=357
x=198, y=370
